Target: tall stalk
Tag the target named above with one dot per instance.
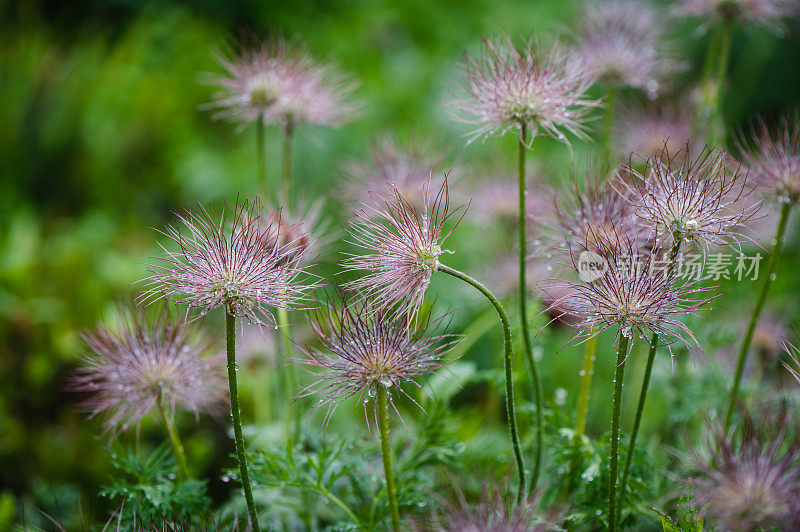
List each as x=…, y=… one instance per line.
x=608, y=126
x=386, y=451
x=241, y=457
x=174, y=440
x=261, y=164
x=651, y=355
x=724, y=51
x=286, y=162
x=510, y=408
x=616, y=407
x=292, y=422
x=762, y=298
x=523, y=310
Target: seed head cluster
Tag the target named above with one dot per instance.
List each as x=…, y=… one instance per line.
x=404, y=244
x=540, y=88
x=142, y=362
x=243, y=267
x=364, y=347
x=279, y=82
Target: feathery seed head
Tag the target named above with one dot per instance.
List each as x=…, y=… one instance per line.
x=364, y=347
x=143, y=362
x=765, y=13
x=242, y=266
x=753, y=482
x=405, y=244
x=774, y=159
x=645, y=132
x=531, y=86
x=279, y=82
x=695, y=199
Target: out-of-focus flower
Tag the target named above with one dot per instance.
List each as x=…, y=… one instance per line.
x=301, y=229
x=405, y=244
x=621, y=42
x=279, y=82
x=766, y=13
x=695, y=199
x=244, y=267
x=364, y=347
x=752, y=483
x=497, y=199
x=644, y=131
x=406, y=168
x=143, y=363
x=774, y=159
x=627, y=289
x=533, y=87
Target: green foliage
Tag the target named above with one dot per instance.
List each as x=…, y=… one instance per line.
x=147, y=488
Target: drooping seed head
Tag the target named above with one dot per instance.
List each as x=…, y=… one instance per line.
x=366, y=347
x=765, y=13
x=645, y=131
x=621, y=42
x=774, y=159
x=752, y=482
x=407, y=168
x=622, y=284
x=242, y=266
x=141, y=362
x=695, y=199
x=508, y=87
x=404, y=242
x=279, y=82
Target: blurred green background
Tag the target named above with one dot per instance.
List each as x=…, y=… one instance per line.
x=101, y=137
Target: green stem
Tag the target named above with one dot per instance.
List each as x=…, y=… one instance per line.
x=510, y=408
x=762, y=298
x=523, y=310
x=174, y=440
x=241, y=458
x=261, y=159
x=726, y=32
x=386, y=451
x=286, y=162
x=651, y=355
x=586, y=383
x=616, y=403
x=608, y=127
x=292, y=421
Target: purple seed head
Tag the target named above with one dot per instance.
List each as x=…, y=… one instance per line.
x=142, y=362
x=774, y=159
x=644, y=131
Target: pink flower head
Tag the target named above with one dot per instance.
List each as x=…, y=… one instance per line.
x=243, y=266
x=132, y=368
x=695, y=199
x=365, y=347
x=279, y=82
x=532, y=87
x=405, y=243
x=774, y=159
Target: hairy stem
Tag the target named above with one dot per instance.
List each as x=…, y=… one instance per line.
x=261, y=159
x=292, y=421
x=724, y=52
x=762, y=298
x=230, y=344
x=608, y=127
x=523, y=310
x=174, y=440
x=651, y=355
x=286, y=163
x=386, y=451
x=616, y=407
x=510, y=408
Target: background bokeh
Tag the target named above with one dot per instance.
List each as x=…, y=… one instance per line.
x=101, y=138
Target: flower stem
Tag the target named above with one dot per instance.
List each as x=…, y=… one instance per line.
x=523, y=310
x=286, y=162
x=241, y=458
x=762, y=298
x=292, y=421
x=608, y=126
x=174, y=440
x=616, y=403
x=651, y=355
x=724, y=52
x=386, y=451
x=510, y=408
x=261, y=159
